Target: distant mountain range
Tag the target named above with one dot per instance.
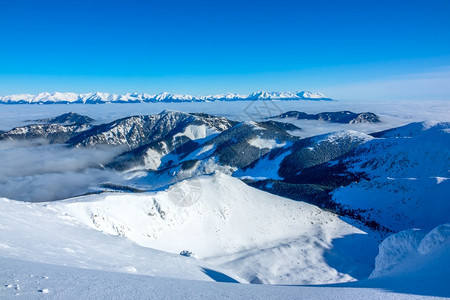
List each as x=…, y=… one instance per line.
x=93, y=98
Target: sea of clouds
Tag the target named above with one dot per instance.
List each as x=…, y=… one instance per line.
x=35, y=171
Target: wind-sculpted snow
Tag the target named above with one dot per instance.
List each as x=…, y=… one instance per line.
x=95, y=98
x=434, y=239
x=396, y=249
x=415, y=251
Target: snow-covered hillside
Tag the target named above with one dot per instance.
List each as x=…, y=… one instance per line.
x=255, y=235
x=47, y=250
x=32, y=280
x=412, y=252
x=35, y=233
x=406, y=177
x=289, y=160
x=56, y=97
x=88, y=244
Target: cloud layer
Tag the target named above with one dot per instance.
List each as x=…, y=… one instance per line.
x=39, y=172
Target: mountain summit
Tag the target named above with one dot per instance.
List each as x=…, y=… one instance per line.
x=65, y=98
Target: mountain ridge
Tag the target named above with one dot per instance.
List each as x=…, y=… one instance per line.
x=335, y=117
x=98, y=97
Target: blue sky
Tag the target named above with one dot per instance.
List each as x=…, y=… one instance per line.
x=387, y=48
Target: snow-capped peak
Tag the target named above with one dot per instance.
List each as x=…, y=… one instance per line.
x=98, y=97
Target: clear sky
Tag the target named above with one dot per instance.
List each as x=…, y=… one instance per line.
x=370, y=48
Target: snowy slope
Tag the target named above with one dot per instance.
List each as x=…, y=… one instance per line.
x=407, y=178
x=409, y=130
x=31, y=280
x=92, y=265
x=222, y=220
x=206, y=150
x=33, y=232
x=66, y=98
x=288, y=160
x=416, y=256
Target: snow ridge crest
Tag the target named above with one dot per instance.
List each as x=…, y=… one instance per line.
x=93, y=98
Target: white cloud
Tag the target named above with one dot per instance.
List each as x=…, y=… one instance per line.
x=49, y=172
